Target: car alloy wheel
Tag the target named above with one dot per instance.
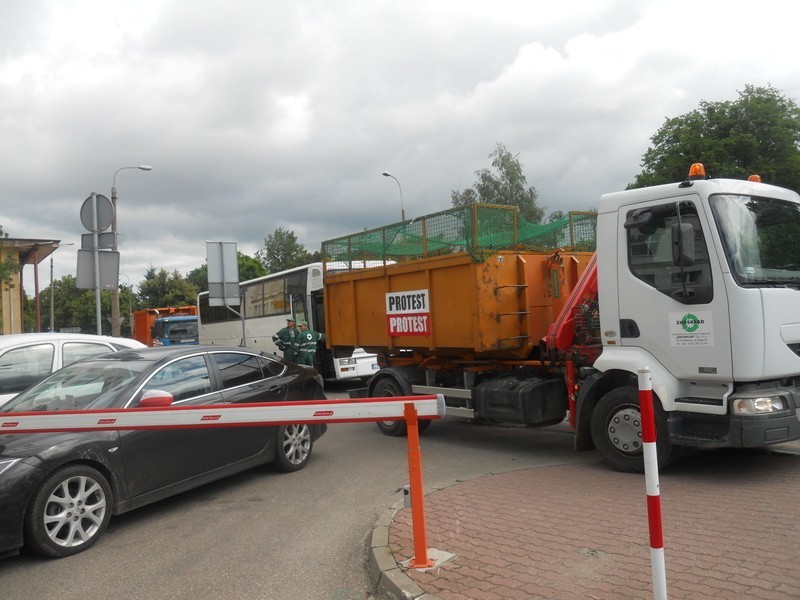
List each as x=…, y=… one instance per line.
x=294, y=447
x=69, y=512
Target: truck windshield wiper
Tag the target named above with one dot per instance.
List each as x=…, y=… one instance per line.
x=789, y=283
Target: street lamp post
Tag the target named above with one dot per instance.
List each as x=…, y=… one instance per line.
x=402, y=210
x=116, y=321
x=52, y=298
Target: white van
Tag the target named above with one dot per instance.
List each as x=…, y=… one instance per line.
x=27, y=358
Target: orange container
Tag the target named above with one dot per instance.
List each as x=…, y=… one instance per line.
x=499, y=308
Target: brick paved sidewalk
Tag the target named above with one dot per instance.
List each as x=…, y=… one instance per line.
x=731, y=530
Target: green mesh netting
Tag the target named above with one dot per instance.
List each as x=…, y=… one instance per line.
x=478, y=229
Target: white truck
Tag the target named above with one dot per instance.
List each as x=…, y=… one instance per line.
x=699, y=281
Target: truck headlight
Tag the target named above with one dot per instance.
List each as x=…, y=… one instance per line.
x=759, y=406
x=347, y=361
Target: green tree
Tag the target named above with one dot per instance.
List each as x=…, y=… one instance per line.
x=166, y=289
x=507, y=185
x=198, y=277
x=8, y=264
x=249, y=268
x=8, y=268
x=758, y=133
x=75, y=309
x=29, y=315
x=282, y=251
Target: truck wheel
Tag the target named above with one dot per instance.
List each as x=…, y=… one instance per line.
x=389, y=388
x=617, y=432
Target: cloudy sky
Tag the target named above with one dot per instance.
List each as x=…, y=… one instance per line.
x=259, y=114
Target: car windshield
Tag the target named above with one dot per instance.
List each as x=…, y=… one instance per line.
x=760, y=239
x=81, y=386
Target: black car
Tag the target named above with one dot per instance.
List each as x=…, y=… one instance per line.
x=59, y=490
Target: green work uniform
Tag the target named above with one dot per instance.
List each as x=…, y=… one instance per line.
x=286, y=340
x=307, y=346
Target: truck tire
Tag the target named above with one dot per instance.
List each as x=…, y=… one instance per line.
x=389, y=388
x=617, y=432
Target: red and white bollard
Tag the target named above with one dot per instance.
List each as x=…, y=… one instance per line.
x=652, y=485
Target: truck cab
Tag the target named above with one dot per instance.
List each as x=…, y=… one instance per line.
x=700, y=282
x=175, y=331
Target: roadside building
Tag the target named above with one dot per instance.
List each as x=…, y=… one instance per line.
x=22, y=252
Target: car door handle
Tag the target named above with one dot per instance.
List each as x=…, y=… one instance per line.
x=274, y=388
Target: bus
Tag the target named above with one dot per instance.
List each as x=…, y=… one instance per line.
x=266, y=303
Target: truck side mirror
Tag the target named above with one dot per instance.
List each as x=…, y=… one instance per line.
x=641, y=219
x=683, y=244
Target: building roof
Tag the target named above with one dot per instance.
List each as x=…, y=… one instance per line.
x=30, y=251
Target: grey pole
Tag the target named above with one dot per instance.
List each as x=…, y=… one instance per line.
x=52, y=317
x=98, y=313
x=115, y=318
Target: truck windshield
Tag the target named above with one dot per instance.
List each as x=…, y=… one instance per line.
x=182, y=331
x=760, y=236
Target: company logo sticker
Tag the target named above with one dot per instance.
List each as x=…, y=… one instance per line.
x=690, y=323
x=691, y=330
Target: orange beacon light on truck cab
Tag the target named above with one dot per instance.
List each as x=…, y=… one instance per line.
x=697, y=171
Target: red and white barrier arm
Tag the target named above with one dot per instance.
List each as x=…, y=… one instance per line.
x=224, y=415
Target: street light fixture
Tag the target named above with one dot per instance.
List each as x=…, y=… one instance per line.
x=402, y=210
x=116, y=321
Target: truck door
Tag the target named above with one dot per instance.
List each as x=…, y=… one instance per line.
x=673, y=306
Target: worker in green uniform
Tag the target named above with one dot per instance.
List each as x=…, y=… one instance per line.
x=307, y=344
x=286, y=340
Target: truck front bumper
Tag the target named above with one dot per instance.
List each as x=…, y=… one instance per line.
x=749, y=432
x=727, y=431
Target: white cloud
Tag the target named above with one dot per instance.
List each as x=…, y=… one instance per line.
x=264, y=114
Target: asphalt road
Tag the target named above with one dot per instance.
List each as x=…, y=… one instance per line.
x=263, y=534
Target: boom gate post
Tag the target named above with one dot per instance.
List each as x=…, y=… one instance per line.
x=652, y=485
x=420, y=559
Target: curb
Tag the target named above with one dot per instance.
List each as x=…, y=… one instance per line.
x=388, y=579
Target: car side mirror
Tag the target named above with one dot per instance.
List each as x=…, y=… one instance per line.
x=155, y=399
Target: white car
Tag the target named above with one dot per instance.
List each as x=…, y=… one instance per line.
x=27, y=358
